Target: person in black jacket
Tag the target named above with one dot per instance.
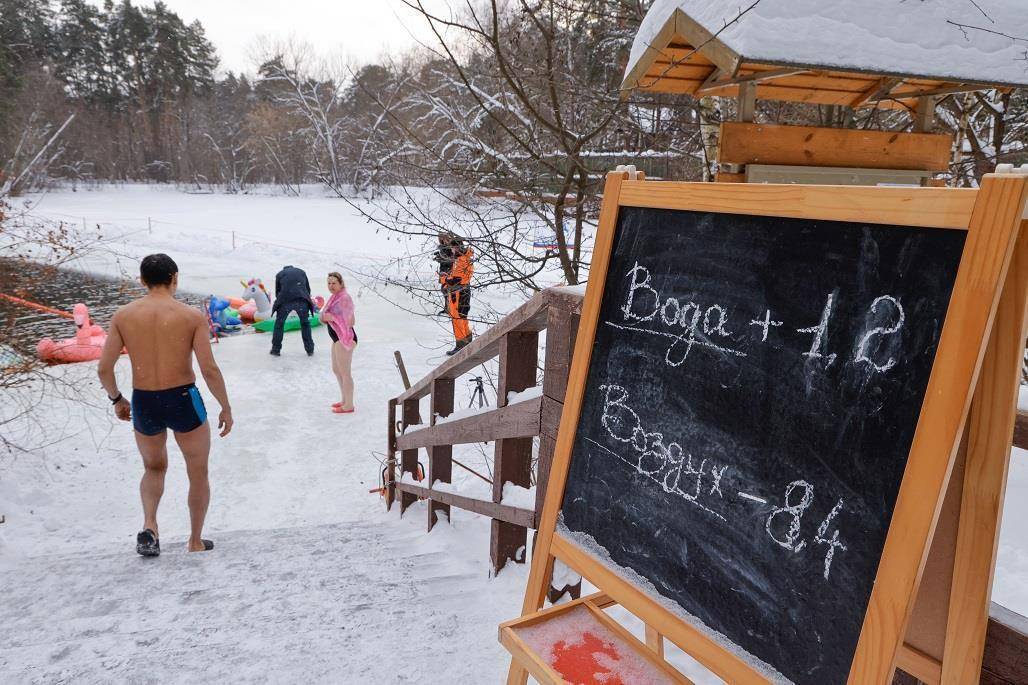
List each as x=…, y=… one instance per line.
x=292, y=294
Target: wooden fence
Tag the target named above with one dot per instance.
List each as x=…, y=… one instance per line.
x=515, y=340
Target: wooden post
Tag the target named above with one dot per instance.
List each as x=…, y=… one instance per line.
x=747, y=100
x=924, y=117
x=561, y=327
x=409, y=458
x=440, y=457
x=402, y=368
x=519, y=355
x=390, y=476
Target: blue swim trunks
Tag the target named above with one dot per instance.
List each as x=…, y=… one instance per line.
x=181, y=409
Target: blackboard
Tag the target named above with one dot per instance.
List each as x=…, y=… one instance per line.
x=752, y=395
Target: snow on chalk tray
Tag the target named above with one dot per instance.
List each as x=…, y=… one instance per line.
x=867, y=35
x=591, y=546
x=583, y=650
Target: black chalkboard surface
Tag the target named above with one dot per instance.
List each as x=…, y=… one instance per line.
x=752, y=395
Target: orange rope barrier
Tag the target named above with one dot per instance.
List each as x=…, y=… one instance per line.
x=35, y=305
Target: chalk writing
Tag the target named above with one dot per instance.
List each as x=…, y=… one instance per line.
x=699, y=481
x=666, y=464
x=833, y=542
x=819, y=334
x=861, y=355
x=795, y=512
x=694, y=324
x=765, y=324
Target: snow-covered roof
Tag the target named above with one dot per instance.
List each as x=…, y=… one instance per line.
x=982, y=41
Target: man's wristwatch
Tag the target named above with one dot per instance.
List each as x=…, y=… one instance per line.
x=115, y=400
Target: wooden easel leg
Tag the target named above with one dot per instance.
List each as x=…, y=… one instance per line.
x=990, y=429
x=655, y=641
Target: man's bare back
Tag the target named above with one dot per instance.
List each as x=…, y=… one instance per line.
x=162, y=336
x=159, y=334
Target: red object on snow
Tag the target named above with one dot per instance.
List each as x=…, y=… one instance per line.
x=580, y=663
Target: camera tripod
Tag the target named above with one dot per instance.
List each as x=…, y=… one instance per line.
x=478, y=391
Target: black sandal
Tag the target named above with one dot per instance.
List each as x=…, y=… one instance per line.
x=208, y=545
x=147, y=544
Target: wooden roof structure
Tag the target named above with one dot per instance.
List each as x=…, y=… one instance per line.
x=809, y=51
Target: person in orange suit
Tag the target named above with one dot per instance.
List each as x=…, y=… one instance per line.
x=456, y=266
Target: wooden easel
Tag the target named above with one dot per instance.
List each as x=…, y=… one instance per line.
x=949, y=541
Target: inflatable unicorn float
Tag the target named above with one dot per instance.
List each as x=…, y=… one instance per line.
x=86, y=346
x=257, y=301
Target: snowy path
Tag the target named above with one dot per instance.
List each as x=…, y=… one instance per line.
x=354, y=603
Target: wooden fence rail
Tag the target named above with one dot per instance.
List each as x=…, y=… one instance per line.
x=512, y=427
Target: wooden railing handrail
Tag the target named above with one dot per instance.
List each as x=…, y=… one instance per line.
x=531, y=316
x=520, y=420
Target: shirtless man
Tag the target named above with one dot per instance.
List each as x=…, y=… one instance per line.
x=161, y=336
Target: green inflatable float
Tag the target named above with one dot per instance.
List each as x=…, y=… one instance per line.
x=292, y=323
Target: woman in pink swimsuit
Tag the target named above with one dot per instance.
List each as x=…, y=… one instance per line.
x=339, y=315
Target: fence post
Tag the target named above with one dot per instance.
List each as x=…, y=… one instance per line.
x=440, y=457
x=390, y=475
x=561, y=328
x=149, y=225
x=233, y=240
x=409, y=458
x=561, y=331
x=519, y=355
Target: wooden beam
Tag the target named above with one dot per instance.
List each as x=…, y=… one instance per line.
x=390, y=469
x=1005, y=661
x=924, y=116
x=714, y=81
x=403, y=369
x=724, y=177
x=747, y=102
x=876, y=92
x=408, y=457
x=512, y=458
x=503, y=512
x=440, y=457
x=561, y=331
x=811, y=146
x=520, y=420
x=943, y=90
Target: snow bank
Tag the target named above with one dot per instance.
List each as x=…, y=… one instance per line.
x=869, y=35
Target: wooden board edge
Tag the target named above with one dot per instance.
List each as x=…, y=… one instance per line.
x=983, y=266
x=991, y=428
x=686, y=636
x=925, y=207
x=526, y=657
x=925, y=668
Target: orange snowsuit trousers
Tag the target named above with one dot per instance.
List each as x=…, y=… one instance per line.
x=457, y=286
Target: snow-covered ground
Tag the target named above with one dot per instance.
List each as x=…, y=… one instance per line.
x=312, y=580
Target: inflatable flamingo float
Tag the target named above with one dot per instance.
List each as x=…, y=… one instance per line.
x=86, y=346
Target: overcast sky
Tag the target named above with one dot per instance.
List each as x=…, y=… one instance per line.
x=359, y=29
